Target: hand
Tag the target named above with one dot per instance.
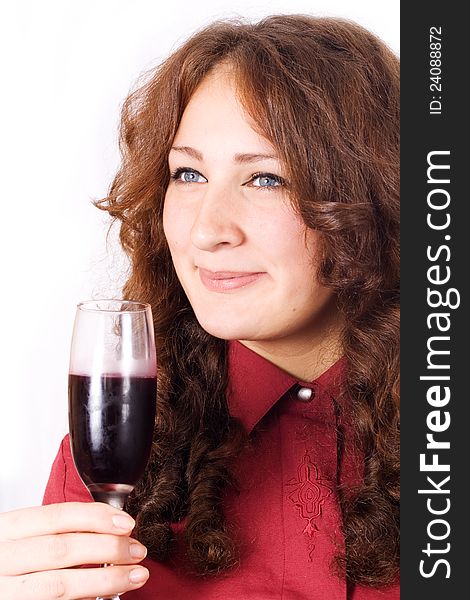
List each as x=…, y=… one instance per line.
x=39, y=545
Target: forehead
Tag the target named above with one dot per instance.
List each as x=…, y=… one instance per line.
x=215, y=112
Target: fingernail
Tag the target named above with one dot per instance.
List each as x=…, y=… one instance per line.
x=137, y=551
x=138, y=575
x=123, y=522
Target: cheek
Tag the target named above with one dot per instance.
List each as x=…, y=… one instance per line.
x=301, y=260
x=299, y=250
x=173, y=224
x=166, y=220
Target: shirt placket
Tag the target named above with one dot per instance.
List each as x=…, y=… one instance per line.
x=307, y=429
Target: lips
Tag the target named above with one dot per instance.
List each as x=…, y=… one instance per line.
x=226, y=281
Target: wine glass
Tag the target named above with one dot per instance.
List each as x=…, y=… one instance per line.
x=112, y=396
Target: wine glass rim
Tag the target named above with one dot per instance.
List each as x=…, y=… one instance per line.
x=93, y=305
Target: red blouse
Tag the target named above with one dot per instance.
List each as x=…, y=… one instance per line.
x=286, y=515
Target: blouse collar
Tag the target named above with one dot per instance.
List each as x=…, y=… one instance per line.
x=255, y=384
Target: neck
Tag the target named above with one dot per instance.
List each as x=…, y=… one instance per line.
x=305, y=359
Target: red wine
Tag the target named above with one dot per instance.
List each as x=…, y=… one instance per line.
x=111, y=420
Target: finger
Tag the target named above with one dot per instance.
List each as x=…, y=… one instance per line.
x=73, y=584
x=48, y=552
x=62, y=518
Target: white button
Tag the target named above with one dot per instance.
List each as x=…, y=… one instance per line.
x=305, y=394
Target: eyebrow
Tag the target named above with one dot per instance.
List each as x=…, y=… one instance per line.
x=240, y=158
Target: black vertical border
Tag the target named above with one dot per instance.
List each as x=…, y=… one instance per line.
x=421, y=133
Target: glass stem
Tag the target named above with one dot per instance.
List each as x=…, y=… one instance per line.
x=117, y=500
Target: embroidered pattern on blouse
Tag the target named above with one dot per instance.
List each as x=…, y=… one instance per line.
x=308, y=496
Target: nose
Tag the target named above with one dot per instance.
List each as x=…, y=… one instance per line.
x=217, y=222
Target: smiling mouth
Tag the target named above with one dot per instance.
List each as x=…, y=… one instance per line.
x=227, y=281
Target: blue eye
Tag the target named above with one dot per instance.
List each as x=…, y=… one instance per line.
x=183, y=175
x=266, y=180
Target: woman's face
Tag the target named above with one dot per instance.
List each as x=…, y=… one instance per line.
x=246, y=261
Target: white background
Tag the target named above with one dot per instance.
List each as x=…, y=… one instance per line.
x=66, y=67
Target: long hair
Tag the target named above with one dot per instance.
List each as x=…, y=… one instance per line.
x=325, y=93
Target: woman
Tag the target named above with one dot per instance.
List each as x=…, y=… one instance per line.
x=258, y=196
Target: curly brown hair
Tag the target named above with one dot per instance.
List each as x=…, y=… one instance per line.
x=325, y=93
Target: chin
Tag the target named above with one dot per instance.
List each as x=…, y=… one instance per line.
x=226, y=329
